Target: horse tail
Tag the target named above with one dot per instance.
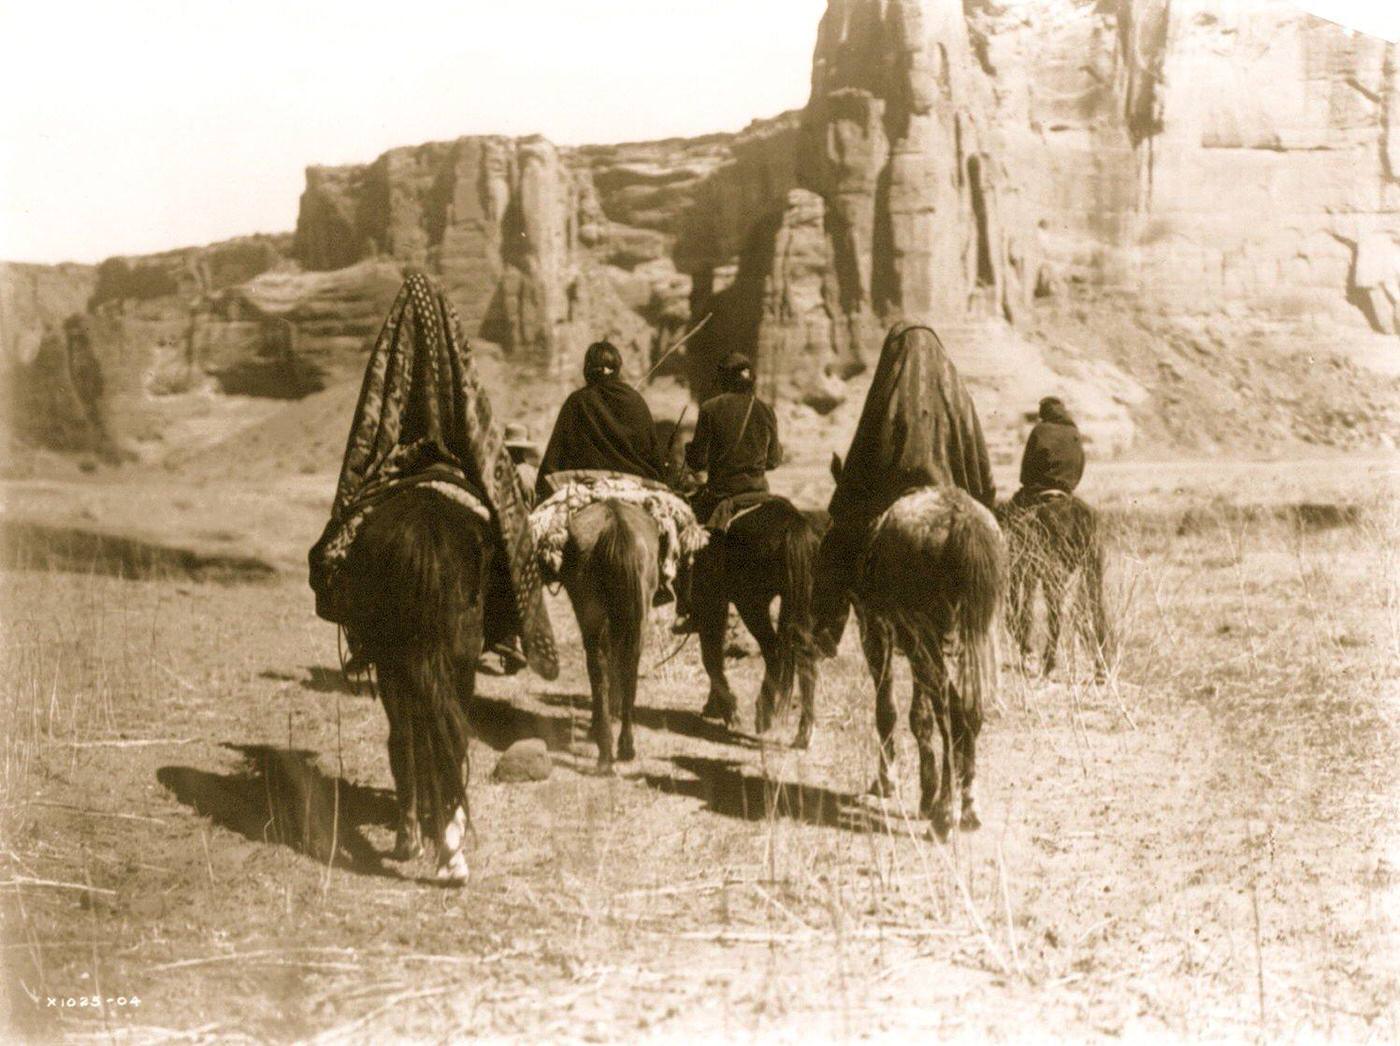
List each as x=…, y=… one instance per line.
x=619, y=560
x=974, y=564
x=419, y=564
x=1093, y=567
x=799, y=553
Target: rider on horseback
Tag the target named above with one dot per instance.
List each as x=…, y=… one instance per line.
x=919, y=428
x=1054, y=457
x=604, y=425
x=735, y=441
x=735, y=444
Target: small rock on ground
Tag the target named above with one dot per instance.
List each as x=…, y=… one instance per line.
x=526, y=760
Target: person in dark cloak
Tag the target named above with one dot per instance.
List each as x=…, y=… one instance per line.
x=604, y=425
x=424, y=416
x=918, y=428
x=735, y=445
x=1054, y=456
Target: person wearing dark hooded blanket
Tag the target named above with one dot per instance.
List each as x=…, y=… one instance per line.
x=424, y=417
x=604, y=425
x=918, y=428
x=1054, y=457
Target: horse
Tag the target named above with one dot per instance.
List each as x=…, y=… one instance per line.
x=767, y=552
x=929, y=585
x=416, y=577
x=610, y=573
x=1053, y=540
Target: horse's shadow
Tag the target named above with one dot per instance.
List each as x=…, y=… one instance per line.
x=499, y=724
x=322, y=680
x=281, y=796
x=682, y=722
x=725, y=789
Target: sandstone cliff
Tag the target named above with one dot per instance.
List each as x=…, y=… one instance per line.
x=1074, y=192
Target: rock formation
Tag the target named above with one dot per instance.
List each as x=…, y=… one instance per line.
x=505, y=225
x=1000, y=169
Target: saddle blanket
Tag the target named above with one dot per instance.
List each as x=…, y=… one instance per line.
x=681, y=535
x=329, y=554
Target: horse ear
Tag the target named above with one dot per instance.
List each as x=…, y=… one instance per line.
x=835, y=466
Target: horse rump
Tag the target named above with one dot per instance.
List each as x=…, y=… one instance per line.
x=415, y=582
x=937, y=536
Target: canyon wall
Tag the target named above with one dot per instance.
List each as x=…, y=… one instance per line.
x=1012, y=172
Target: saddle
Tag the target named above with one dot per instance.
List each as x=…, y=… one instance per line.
x=736, y=506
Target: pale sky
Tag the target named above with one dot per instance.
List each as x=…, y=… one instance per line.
x=131, y=126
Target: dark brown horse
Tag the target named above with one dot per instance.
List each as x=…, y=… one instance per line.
x=1052, y=541
x=610, y=573
x=767, y=553
x=928, y=585
x=415, y=579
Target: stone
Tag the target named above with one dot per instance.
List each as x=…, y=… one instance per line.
x=525, y=760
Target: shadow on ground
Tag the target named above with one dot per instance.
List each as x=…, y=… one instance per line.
x=724, y=787
x=36, y=546
x=281, y=796
x=683, y=722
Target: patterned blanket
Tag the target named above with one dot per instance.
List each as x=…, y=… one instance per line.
x=681, y=535
x=424, y=415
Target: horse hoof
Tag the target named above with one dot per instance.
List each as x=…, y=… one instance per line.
x=718, y=708
x=943, y=823
x=803, y=740
x=407, y=848
x=970, y=821
x=454, y=872
x=625, y=753
x=880, y=788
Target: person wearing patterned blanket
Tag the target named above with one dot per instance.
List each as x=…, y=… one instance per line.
x=681, y=535
x=424, y=417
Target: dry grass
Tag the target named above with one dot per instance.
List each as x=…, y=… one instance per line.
x=1201, y=845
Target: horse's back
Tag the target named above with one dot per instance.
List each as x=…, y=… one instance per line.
x=413, y=554
x=933, y=549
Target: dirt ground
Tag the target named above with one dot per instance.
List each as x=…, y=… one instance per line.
x=197, y=809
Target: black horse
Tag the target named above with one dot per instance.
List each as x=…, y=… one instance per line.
x=1051, y=541
x=416, y=577
x=766, y=553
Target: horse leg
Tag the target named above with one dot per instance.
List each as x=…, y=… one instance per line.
x=712, y=619
x=595, y=646
x=408, y=838
x=807, y=689
x=1056, y=577
x=878, y=645
x=625, y=660
x=966, y=722
x=755, y=615
x=1091, y=585
x=929, y=705
x=1020, y=595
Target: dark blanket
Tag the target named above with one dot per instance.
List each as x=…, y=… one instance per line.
x=604, y=425
x=1054, y=457
x=422, y=406
x=918, y=428
x=735, y=442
